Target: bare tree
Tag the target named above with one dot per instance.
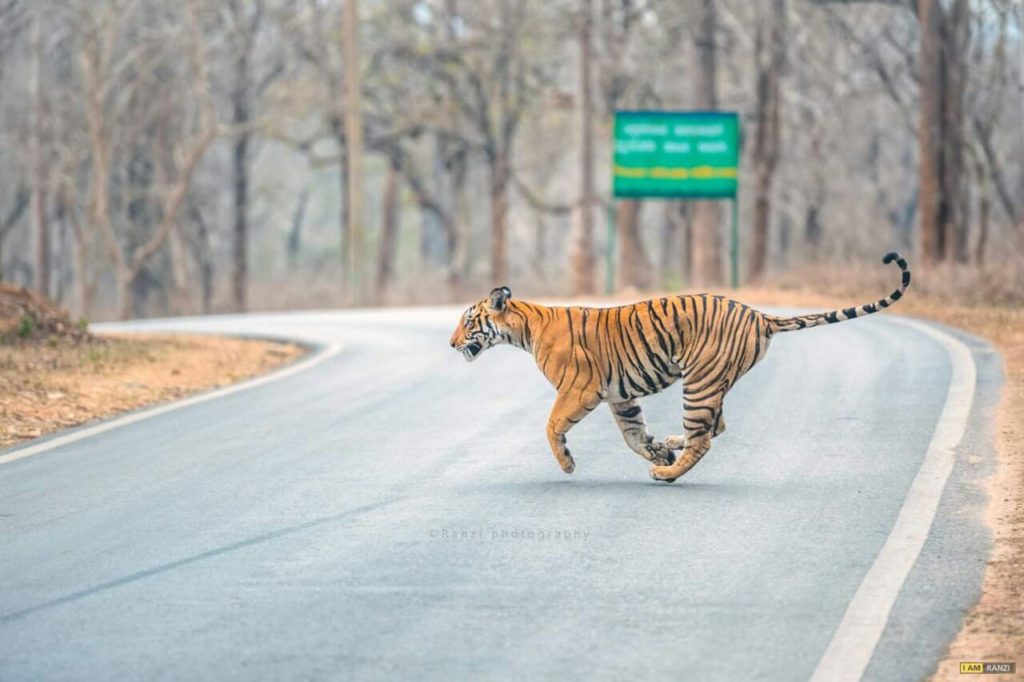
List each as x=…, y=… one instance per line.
x=39, y=176
x=245, y=25
x=11, y=218
x=941, y=74
x=621, y=85
x=177, y=157
x=491, y=83
x=707, y=237
x=770, y=55
x=583, y=212
x=389, y=232
x=944, y=39
x=354, y=147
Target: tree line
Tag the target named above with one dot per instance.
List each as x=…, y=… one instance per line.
x=227, y=155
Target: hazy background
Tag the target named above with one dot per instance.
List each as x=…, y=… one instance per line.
x=184, y=157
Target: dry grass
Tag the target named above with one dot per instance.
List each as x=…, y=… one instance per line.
x=56, y=383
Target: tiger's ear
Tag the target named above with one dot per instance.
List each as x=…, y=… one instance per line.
x=498, y=298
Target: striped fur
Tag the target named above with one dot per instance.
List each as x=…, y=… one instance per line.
x=617, y=355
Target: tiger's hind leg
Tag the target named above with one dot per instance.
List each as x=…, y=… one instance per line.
x=631, y=423
x=702, y=420
x=679, y=442
x=719, y=426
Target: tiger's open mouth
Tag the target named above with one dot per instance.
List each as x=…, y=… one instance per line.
x=470, y=351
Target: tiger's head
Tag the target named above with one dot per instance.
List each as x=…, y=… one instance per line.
x=483, y=325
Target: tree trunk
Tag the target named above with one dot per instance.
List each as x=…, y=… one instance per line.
x=762, y=218
x=240, y=185
x=203, y=253
x=460, y=223
x=354, y=148
x=583, y=212
x=499, y=218
x=21, y=201
x=343, y=193
x=41, y=270
x=769, y=55
x=294, y=244
x=389, y=232
x=180, y=300
x=984, y=208
x=634, y=267
x=954, y=170
x=125, y=295
x=435, y=251
x=942, y=66
x=707, y=238
x=83, y=303
x=929, y=131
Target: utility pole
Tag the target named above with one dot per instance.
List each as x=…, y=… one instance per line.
x=354, y=149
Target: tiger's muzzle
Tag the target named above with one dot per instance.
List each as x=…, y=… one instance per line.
x=470, y=350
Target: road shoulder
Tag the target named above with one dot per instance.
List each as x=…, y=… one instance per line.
x=58, y=384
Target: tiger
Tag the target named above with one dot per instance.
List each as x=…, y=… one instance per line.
x=617, y=355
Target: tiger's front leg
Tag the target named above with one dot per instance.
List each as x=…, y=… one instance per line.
x=568, y=411
x=630, y=419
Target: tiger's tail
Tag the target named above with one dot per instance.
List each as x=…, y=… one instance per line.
x=790, y=324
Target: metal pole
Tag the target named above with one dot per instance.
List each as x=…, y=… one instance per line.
x=734, y=246
x=609, y=267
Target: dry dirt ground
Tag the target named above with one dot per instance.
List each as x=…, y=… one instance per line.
x=55, y=374
x=53, y=383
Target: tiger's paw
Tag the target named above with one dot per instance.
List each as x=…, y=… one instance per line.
x=663, y=474
x=675, y=442
x=567, y=463
x=660, y=454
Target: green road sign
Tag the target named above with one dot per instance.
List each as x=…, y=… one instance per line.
x=676, y=154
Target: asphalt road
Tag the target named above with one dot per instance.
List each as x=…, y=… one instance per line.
x=394, y=512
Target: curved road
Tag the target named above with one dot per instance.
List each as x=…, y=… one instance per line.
x=394, y=512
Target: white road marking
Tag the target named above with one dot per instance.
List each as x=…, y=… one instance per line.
x=318, y=357
x=854, y=642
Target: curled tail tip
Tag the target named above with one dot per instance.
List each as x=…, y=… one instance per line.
x=902, y=263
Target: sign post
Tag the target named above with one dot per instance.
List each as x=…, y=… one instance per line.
x=677, y=155
x=609, y=266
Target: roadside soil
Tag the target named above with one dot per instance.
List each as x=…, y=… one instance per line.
x=51, y=383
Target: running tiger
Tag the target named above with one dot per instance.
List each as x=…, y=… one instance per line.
x=616, y=355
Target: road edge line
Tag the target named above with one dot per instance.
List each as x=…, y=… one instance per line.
x=853, y=644
x=317, y=357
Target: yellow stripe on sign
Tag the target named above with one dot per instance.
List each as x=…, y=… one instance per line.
x=664, y=173
x=972, y=668
x=625, y=172
x=707, y=173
